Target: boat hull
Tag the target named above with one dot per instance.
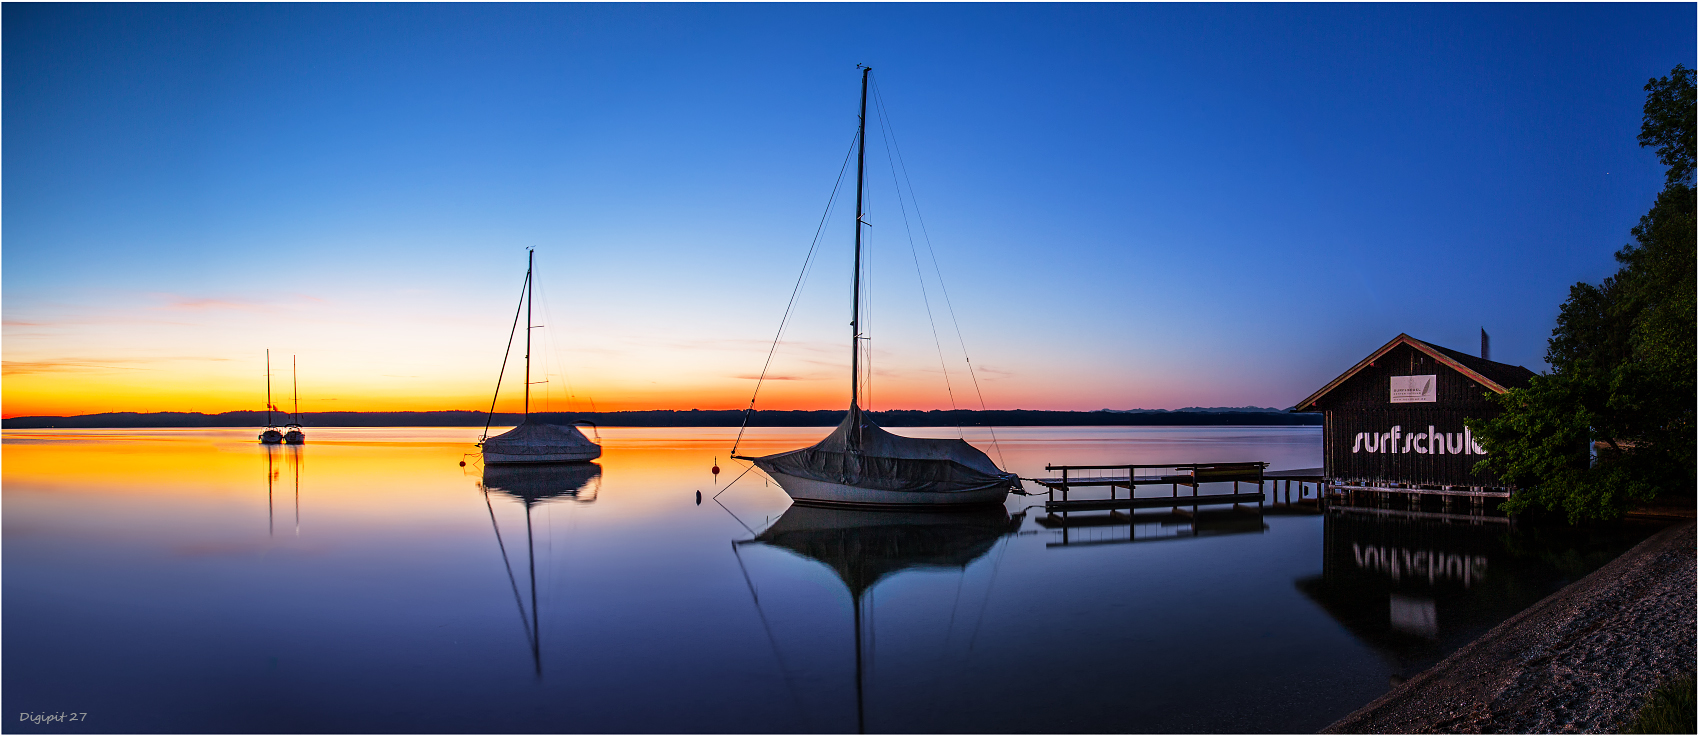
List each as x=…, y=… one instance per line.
x=814, y=492
x=271, y=437
x=575, y=456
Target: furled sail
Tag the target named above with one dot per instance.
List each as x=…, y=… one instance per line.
x=862, y=455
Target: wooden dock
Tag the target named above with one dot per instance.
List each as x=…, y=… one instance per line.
x=1133, y=475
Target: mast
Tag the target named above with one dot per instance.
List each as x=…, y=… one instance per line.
x=268, y=387
x=856, y=278
x=295, y=389
x=528, y=260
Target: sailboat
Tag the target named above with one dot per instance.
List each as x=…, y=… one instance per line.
x=292, y=434
x=860, y=464
x=270, y=436
x=533, y=442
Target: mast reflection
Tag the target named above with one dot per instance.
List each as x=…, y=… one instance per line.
x=533, y=485
x=271, y=480
x=864, y=547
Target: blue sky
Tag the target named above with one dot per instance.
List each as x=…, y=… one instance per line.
x=1132, y=205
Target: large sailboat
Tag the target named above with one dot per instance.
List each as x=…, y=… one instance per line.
x=270, y=435
x=532, y=442
x=861, y=464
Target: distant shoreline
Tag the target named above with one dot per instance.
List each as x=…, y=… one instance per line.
x=688, y=418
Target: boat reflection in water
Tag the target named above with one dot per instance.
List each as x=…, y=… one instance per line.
x=866, y=546
x=1417, y=588
x=533, y=485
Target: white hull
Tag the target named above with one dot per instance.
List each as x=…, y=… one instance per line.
x=576, y=456
x=809, y=491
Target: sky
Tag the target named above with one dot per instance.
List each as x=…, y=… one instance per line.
x=1128, y=206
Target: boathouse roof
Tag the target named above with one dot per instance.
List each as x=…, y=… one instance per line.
x=1497, y=377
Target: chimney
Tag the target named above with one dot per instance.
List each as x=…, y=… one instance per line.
x=1485, y=354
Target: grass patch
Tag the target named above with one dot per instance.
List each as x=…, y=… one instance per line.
x=1670, y=709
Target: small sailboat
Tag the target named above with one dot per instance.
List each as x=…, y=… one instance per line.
x=533, y=442
x=270, y=436
x=292, y=434
x=860, y=464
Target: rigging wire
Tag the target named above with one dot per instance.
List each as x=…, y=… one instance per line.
x=879, y=100
x=523, y=619
x=865, y=320
x=511, y=332
x=784, y=672
x=551, y=356
x=802, y=276
x=885, y=127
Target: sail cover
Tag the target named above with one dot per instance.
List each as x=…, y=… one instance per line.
x=537, y=439
x=861, y=454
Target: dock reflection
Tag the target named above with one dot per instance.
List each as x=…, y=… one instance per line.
x=1121, y=527
x=532, y=485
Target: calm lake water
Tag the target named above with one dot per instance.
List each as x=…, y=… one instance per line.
x=194, y=581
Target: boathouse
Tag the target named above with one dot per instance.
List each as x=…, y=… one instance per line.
x=1394, y=423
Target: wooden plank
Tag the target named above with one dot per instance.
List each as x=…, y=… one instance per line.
x=1462, y=518
x=1425, y=491
x=1154, y=502
x=1143, y=480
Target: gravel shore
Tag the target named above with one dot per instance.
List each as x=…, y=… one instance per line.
x=1580, y=661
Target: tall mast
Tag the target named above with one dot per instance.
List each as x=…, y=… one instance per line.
x=528, y=260
x=856, y=278
x=268, y=387
x=295, y=389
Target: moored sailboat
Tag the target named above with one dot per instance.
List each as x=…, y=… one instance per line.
x=533, y=442
x=292, y=434
x=270, y=435
x=860, y=464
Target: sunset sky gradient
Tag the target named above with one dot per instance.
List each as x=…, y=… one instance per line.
x=1132, y=205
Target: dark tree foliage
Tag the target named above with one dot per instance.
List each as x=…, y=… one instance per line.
x=1622, y=355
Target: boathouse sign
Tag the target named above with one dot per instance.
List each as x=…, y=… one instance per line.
x=1397, y=417
x=1412, y=389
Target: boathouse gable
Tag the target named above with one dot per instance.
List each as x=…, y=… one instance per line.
x=1397, y=417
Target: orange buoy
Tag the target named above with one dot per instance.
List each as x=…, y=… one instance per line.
x=716, y=469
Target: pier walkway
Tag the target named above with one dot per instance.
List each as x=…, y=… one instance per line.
x=1133, y=475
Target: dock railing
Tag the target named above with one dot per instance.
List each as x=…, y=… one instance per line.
x=1133, y=475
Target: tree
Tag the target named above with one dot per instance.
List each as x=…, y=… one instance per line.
x=1622, y=357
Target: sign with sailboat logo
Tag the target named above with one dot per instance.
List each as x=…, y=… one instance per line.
x=1412, y=389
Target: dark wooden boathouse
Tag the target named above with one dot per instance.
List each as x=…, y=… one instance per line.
x=1393, y=425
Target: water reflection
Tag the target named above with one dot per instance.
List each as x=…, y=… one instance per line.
x=864, y=547
x=532, y=485
x=1121, y=527
x=1415, y=588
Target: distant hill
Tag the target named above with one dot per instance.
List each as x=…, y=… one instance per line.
x=690, y=418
